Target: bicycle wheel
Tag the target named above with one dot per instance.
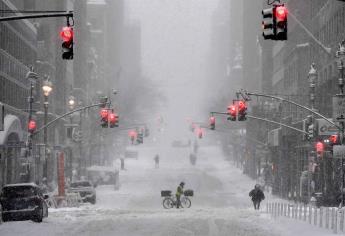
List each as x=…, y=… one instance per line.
x=168, y=203
x=185, y=202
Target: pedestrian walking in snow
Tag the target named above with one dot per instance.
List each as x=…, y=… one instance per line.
x=156, y=161
x=257, y=196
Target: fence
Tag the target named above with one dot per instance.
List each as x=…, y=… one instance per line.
x=323, y=217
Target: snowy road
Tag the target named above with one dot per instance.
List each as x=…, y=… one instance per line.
x=220, y=206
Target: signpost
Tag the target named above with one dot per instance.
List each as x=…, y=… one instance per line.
x=339, y=108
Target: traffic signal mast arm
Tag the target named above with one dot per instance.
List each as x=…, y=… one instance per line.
x=35, y=16
x=270, y=121
x=67, y=114
x=247, y=94
x=274, y=122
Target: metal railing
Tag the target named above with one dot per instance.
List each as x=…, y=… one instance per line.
x=324, y=217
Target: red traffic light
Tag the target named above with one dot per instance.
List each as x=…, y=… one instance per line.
x=104, y=114
x=200, y=132
x=212, y=120
x=281, y=12
x=232, y=110
x=334, y=139
x=66, y=34
x=32, y=126
x=319, y=147
x=112, y=117
x=133, y=134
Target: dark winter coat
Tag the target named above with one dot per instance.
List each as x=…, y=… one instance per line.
x=257, y=195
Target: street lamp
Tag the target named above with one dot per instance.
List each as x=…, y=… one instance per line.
x=47, y=89
x=71, y=102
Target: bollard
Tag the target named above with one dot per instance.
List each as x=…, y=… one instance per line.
x=282, y=209
x=309, y=216
x=305, y=213
x=267, y=207
x=341, y=223
x=332, y=219
x=321, y=217
x=315, y=215
x=278, y=209
x=296, y=211
x=335, y=228
x=327, y=218
x=300, y=212
x=285, y=205
x=288, y=213
x=293, y=211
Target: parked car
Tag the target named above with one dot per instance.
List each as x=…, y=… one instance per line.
x=85, y=189
x=23, y=201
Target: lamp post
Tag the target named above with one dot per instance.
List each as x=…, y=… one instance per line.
x=32, y=77
x=47, y=88
x=312, y=77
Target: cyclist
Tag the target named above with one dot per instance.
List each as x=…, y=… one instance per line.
x=179, y=192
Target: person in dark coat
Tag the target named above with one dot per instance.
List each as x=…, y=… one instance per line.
x=257, y=196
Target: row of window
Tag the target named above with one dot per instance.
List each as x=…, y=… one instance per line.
x=12, y=94
x=331, y=32
x=16, y=46
x=13, y=68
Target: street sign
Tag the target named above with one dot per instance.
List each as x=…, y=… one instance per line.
x=2, y=117
x=339, y=108
x=339, y=151
x=324, y=128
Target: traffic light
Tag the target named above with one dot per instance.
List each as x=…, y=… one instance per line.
x=104, y=118
x=212, y=123
x=140, y=137
x=132, y=135
x=242, y=111
x=67, y=44
x=334, y=140
x=281, y=22
x=310, y=132
x=268, y=23
x=275, y=23
x=319, y=147
x=232, y=113
x=113, y=119
x=32, y=126
x=199, y=133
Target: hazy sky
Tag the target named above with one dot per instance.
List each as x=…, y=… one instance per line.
x=175, y=43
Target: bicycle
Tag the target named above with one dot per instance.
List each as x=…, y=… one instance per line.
x=170, y=201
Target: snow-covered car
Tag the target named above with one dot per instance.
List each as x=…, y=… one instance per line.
x=23, y=201
x=85, y=189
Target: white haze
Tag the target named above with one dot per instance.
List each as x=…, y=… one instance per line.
x=175, y=40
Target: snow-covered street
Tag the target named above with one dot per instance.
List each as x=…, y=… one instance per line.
x=221, y=205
